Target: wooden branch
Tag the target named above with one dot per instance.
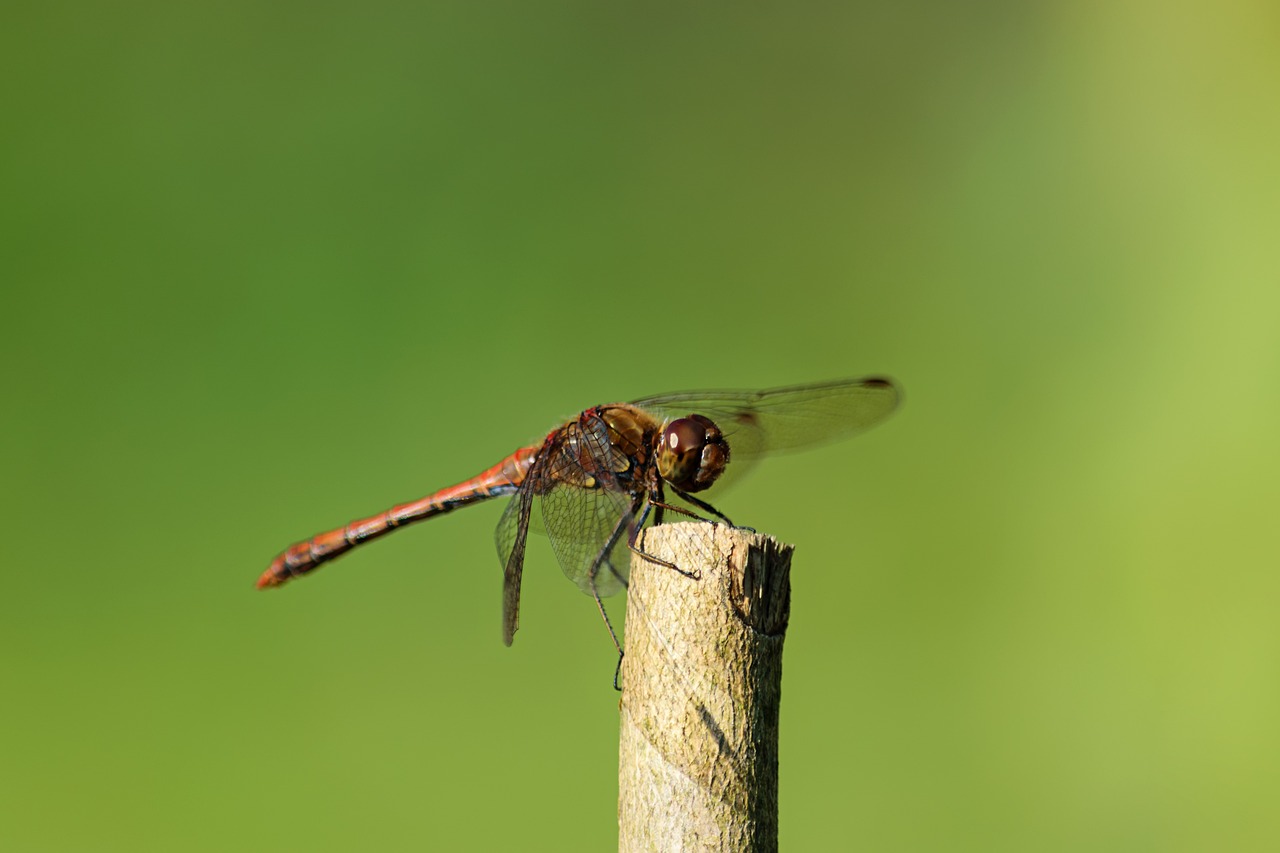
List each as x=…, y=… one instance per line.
x=701, y=686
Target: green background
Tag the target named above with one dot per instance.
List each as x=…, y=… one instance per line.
x=268, y=267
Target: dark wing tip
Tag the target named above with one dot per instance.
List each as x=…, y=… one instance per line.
x=887, y=384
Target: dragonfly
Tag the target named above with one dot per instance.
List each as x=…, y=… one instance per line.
x=597, y=480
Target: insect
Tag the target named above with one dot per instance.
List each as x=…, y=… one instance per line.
x=599, y=478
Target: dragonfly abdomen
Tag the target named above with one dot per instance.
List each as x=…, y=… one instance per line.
x=304, y=557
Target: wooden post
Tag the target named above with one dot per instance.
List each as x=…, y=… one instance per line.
x=701, y=686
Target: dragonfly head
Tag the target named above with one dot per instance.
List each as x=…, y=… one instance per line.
x=692, y=454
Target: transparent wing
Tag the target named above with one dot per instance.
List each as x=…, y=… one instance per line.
x=582, y=523
x=582, y=505
x=510, y=537
x=780, y=420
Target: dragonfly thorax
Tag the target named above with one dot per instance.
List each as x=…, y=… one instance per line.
x=692, y=453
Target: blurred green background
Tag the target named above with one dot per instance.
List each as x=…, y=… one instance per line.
x=268, y=267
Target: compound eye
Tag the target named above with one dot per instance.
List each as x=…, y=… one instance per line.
x=684, y=435
x=681, y=451
x=693, y=453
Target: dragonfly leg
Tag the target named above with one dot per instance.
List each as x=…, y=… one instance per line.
x=619, y=576
x=702, y=505
x=639, y=526
x=605, y=616
x=679, y=510
x=602, y=559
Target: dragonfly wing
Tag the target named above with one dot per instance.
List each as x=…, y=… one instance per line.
x=779, y=420
x=783, y=419
x=510, y=537
x=586, y=506
x=581, y=524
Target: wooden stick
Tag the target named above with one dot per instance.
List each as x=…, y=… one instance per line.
x=701, y=686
